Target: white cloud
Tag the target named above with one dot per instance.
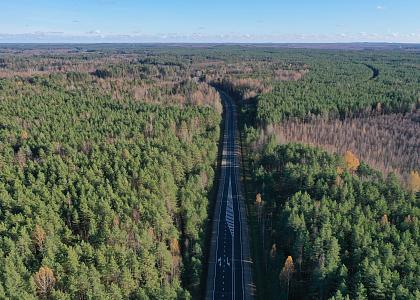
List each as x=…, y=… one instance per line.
x=380, y=7
x=94, y=32
x=199, y=37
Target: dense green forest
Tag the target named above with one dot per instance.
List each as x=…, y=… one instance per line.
x=107, y=162
x=102, y=197
x=345, y=84
x=350, y=233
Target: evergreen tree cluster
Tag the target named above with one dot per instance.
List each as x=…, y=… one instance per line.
x=351, y=233
x=101, y=199
x=346, y=84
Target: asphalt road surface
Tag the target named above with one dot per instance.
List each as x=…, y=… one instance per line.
x=229, y=271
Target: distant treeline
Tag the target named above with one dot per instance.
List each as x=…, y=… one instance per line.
x=349, y=84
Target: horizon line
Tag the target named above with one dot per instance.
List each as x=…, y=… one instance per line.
x=208, y=43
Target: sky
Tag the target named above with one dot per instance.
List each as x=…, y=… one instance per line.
x=236, y=21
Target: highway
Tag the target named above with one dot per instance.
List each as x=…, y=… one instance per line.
x=229, y=271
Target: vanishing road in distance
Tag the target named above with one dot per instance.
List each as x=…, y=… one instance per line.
x=229, y=270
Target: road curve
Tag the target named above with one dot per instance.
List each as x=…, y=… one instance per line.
x=229, y=273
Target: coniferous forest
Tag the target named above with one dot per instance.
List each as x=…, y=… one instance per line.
x=109, y=155
x=342, y=224
x=103, y=196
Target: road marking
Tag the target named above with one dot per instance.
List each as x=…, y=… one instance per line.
x=218, y=224
x=229, y=217
x=220, y=198
x=229, y=172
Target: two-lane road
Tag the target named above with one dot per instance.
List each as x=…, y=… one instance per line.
x=229, y=271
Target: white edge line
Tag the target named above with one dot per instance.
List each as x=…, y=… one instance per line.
x=220, y=210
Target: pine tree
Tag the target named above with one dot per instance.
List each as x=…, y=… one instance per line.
x=360, y=293
x=259, y=203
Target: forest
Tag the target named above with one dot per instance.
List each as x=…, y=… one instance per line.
x=367, y=102
x=386, y=142
x=343, y=85
x=332, y=177
x=103, y=195
x=347, y=231
x=108, y=165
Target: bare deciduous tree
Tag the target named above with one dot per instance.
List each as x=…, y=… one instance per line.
x=388, y=143
x=44, y=281
x=38, y=237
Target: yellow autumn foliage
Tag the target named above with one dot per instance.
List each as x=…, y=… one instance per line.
x=414, y=181
x=352, y=162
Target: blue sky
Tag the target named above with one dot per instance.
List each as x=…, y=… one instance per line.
x=209, y=21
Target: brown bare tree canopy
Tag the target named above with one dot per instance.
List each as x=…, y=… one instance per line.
x=44, y=281
x=389, y=143
x=38, y=237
